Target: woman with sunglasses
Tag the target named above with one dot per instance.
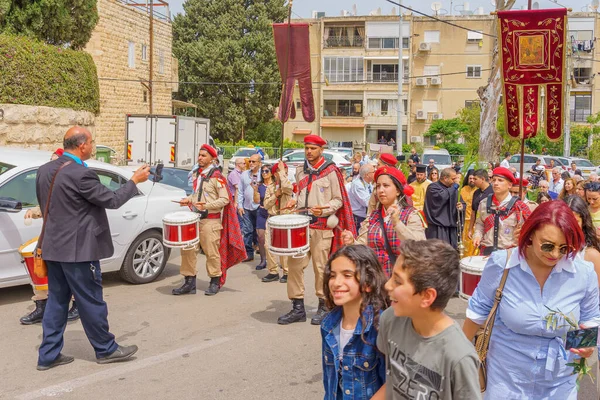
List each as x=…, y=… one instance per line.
x=262, y=215
x=434, y=175
x=526, y=357
x=592, y=195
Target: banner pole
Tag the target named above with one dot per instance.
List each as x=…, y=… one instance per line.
x=522, y=144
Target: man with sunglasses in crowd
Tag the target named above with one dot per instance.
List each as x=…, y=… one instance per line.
x=247, y=208
x=500, y=216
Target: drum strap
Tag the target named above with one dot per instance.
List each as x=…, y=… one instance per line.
x=391, y=254
x=47, y=208
x=497, y=214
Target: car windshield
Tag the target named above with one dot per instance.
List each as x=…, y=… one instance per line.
x=583, y=163
x=439, y=159
x=5, y=167
x=244, y=153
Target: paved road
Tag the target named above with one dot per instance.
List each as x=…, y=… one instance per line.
x=224, y=347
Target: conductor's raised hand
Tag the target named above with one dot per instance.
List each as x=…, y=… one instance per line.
x=141, y=174
x=347, y=237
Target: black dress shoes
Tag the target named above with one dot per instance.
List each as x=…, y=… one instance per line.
x=60, y=360
x=120, y=354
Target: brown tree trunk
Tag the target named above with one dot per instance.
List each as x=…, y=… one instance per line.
x=490, y=141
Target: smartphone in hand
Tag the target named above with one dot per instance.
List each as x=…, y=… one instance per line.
x=582, y=338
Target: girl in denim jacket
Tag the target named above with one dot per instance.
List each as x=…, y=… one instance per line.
x=353, y=285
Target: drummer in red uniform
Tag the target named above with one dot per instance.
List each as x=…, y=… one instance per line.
x=220, y=234
x=320, y=184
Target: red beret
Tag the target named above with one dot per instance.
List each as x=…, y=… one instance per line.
x=210, y=150
x=397, y=175
x=506, y=174
x=59, y=152
x=275, y=167
x=525, y=182
x=388, y=159
x=314, y=139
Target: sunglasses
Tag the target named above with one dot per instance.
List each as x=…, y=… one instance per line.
x=549, y=248
x=265, y=171
x=252, y=162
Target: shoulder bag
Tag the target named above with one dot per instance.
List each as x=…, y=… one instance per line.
x=39, y=265
x=482, y=343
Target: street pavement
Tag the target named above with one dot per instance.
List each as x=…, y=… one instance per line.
x=228, y=346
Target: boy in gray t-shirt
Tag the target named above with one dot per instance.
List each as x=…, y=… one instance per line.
x=427, y=355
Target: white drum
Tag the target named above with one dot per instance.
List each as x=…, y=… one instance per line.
x=290, y=235
x=181, y=229
x=471, y=269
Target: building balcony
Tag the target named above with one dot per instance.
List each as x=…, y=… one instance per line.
x=391, y=119
x=344, y=41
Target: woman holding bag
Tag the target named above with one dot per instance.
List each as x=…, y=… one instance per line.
x=526, y=357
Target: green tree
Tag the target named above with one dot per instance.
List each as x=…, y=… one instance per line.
x=59, y=22
x=447, y=131
x=266, y=132
x=229, y=41
x=471, y=119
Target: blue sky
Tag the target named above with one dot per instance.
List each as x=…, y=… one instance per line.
x=304, y=8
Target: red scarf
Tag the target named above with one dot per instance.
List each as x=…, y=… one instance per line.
x=231, y=247
x=344, y=214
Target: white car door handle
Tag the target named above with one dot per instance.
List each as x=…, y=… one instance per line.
x=129, y=214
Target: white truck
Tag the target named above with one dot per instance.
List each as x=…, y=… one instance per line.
x=169, y=139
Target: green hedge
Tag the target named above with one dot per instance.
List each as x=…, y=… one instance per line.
x=35, y=73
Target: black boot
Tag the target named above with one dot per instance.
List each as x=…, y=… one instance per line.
x=73, y=314
x=321, y=313
x=188, y=287
x=214, y=286
x=36, y=315
x=297, y=314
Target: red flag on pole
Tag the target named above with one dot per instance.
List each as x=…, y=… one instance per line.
x=533, y=44
x=292, y=46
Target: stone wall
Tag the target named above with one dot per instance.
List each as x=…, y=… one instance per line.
x=39, y=127
x=121, y=91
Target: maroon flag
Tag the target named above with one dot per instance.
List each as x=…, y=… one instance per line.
x=533, y=59
x=292, y=47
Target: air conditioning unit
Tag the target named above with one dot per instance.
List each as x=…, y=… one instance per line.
x=421, y=114
x=421, y=81
x=438, y=116
x=416, y=139
x=425, y=46
x=436, y=80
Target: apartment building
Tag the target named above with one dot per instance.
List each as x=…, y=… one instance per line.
x=355, y=73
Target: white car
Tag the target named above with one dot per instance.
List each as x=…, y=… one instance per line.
x=244, y=152
x=296, y=158
x=136, y=227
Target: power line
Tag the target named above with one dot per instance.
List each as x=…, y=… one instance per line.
x=438, y=19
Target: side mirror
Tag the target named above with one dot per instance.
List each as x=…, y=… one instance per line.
x=220, y=151
x=8, y=204
x=401, y=158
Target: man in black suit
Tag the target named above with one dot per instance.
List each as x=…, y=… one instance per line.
x=76, y=237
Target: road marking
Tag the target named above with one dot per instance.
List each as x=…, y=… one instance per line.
x=69, y=386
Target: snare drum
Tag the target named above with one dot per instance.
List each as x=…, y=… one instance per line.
x=470, y=274
x=181, y=229
x=290, y=234
x=26, y=250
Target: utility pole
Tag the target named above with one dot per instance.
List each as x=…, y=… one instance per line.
x=151, y=59
x=400, y=105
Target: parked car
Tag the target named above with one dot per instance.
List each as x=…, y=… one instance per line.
x=441, y=158
x=296, y=158
x=136, y=227
x=244, y=152
x=530, y=159
x=347, y=151
x=585, y=166
x=175, y=177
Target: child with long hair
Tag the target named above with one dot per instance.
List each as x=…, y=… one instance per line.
x=353, y=285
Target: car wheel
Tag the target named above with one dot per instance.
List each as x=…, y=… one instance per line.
x=145, y=259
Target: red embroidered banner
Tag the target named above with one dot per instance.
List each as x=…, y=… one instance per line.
x=533, y=62
x=292, y=45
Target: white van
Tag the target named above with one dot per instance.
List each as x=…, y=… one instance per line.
x=441, y=158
